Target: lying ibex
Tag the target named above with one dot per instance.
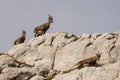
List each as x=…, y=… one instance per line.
x=92, y=61
x=21, y=39
x=89, y=61
x=41, y=30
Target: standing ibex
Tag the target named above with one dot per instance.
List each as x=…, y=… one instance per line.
x=21, y=39
x=41, y=30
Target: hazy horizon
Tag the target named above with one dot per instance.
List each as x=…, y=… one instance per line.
x=76, y=17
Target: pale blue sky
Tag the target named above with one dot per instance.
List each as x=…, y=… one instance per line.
x=73, y=16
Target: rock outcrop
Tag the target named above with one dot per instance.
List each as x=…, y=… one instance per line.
x=54, y=57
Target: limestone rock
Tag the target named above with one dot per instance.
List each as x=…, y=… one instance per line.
x=54, y=56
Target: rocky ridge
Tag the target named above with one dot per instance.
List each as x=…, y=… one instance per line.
x=52, y=54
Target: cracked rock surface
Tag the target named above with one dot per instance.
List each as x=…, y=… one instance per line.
x=53, y=53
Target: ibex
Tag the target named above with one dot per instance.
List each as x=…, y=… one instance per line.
x=89, y=61
x=86, y=63
x=21, y=39
x=41, y=30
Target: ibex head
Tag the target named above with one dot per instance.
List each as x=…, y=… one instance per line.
x=50, y=18
x=23, y=32
x=98, y=55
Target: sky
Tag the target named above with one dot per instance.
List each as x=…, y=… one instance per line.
x=72, y=16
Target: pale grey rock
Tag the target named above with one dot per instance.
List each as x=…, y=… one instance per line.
x=74, y=75
x=37, y=77
x=10, y=73
x=85, y=36
x=4, y=77
x=68, y=56
x=61, y=51
x=95, y=35
x=6, y=61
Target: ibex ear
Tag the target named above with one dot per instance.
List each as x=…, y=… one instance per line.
x=23, y=31
x=98, y=52
x=49, y=16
